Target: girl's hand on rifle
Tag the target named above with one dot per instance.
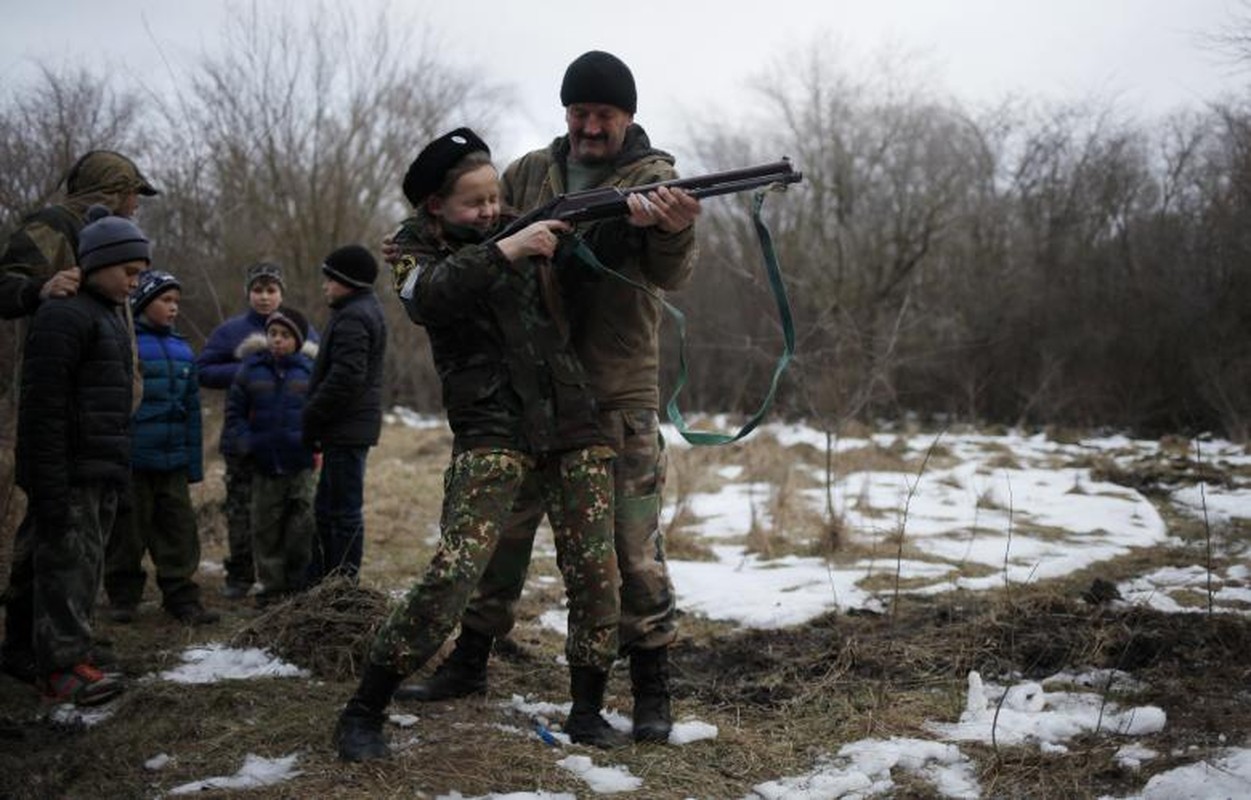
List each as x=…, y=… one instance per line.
x=671, y=210
x=536, y=239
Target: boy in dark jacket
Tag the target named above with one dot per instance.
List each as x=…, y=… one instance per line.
x=218, y=363
x=73, y=453
x=166, y=457
x=343, y=417
x=263, y=419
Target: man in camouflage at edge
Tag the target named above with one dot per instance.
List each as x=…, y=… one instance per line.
x=615, y=330
x=40, y=260
x=520, y=410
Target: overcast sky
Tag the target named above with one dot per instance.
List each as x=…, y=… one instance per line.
x=698, y=55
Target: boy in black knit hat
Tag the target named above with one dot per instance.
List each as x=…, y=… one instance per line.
x=73, y=454
x=343, y=417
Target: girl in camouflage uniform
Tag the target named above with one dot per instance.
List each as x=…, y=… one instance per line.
x=519, y=404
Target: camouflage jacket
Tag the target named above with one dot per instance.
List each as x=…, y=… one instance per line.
x=510, y=378
x=615, y=327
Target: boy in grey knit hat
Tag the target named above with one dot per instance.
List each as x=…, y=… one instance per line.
x=73, y=454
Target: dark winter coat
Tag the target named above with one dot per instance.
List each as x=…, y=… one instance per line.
x=345, y=395
x=615, y=327
x=223, y=354
x=75, y=410
x=510, y=378
x=265, y=404
x=219, y=361
x=167, y=427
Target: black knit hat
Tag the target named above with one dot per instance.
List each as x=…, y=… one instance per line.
x=425, y=175
x=107, y=240
x=152, y=284
x=352, y=265
x=599, y=77
x=264, y=270
x=294, y=322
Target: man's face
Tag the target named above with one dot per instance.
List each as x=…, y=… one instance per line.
x=118, y=281
x=596, y=131
x=128, y=205
x=265, y=297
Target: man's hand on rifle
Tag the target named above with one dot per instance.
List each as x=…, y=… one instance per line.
x=536, y=239
x=671, y=210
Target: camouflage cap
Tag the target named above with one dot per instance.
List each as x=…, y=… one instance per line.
x=107, y=171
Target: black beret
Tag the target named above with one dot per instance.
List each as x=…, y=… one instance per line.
x=425, y=175
x=599, y=77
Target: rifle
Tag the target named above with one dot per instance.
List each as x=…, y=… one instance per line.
x=610, y=201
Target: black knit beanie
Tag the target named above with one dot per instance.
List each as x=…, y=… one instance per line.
x=293, y=320
x=107, y=240
x=425, y=175
x=599, y=77
x=352, y=265
x=264, y=270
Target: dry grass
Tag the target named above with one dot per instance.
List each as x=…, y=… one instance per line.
x=781, y=698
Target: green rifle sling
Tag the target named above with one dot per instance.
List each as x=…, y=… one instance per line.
x=774, y=273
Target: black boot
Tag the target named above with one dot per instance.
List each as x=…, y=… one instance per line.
x=585, y=725
x=462, y=673
x=649, y=682
x=358, y=734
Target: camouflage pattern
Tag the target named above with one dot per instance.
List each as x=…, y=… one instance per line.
x=71, y=565
x=239, y=565
x=648, y=605
x=479, y=489
x=161, y=522
x=282, y=529
x=510, y=377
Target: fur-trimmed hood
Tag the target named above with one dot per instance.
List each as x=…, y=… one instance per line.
x=258, y=343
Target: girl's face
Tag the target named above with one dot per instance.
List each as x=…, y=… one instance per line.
x=281, y=340
x=474, y=201
x=164, y=309
x=265, y=297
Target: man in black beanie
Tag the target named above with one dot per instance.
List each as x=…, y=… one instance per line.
x=655, y=245
x=343, y=414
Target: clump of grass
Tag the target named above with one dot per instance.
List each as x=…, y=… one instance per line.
x=327, y=629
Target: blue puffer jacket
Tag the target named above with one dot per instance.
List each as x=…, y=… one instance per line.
x=219, y=360
x=167, y=427
x=264, y=406
x=223, y=355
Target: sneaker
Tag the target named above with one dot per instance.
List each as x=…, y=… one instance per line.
x=82, y=685
x=193, y=614
x=234, y=591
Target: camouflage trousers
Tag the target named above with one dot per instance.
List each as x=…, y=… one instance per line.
x=648, y=608
x=161, y=522
x=56, y=575
x=480, y=486
x=282, y=530
x=240, y=568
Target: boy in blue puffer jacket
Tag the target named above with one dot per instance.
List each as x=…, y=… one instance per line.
x=166, y=457
x=263, y=414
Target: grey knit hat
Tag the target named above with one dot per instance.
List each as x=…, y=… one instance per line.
x=107, y=240
x=264, y=270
